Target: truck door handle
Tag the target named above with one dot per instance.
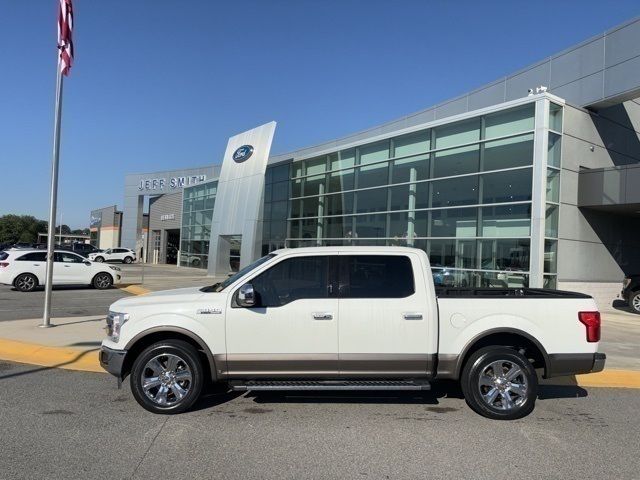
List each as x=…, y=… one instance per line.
x=322, y=316
x=412, y=316
x=67, y=266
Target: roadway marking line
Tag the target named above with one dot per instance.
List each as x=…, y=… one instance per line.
x=54, y=357
x=135, y=289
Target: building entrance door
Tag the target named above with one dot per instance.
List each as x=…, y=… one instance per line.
x=235, y=242
x=172, y=246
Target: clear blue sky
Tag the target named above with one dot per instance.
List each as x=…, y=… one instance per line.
x=161, y=84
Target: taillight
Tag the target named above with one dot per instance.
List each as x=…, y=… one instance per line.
x=591, y=320
x=4, y=264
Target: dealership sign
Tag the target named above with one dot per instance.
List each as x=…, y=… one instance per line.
x=96, y=220
x=172, y=183
x=243, y=153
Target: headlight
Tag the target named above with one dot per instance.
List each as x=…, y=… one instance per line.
x=115, y=321
x=117, y=269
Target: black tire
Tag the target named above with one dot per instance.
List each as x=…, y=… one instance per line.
x=99, y=259
x=634, y=301
x=25, y=282
x=102, y=281
x=128, y=260
x=509, y=402
x=169, y=401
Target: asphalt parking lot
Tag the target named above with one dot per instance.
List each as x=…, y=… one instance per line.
x=72, y=301
x=64, y=424
x=65, y=302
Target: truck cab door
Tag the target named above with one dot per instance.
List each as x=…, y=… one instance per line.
x=292, y=330
x=385, y=327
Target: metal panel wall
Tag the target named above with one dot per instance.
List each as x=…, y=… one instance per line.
x=239, y=199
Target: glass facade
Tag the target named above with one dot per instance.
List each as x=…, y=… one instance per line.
x=552, y=196
x=276, y=206
x=197, y=213
x=461, y=191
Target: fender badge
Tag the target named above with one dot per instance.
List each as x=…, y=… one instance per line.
x=209, y=311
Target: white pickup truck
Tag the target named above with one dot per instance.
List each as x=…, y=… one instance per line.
x=349, y=318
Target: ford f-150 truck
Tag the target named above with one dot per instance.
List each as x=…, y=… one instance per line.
x=349, y=318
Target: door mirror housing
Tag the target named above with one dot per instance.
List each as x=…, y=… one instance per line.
x=246, y=296
x=87, y=263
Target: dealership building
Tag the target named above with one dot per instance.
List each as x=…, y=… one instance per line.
x=532, y=180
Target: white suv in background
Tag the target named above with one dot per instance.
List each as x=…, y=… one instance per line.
x=26, y=269
x=124, y=255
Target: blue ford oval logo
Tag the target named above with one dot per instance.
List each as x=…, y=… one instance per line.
x=243, y=153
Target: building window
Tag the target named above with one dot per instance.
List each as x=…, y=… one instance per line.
x=461, y=191
x=197, y=214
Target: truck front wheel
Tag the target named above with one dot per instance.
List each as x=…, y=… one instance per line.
x=167, y=377
x=499, y=383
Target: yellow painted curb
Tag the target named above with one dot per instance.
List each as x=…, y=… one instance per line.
x=611, y=379
x=135, y=290
x=53, y=357
x=88, y=361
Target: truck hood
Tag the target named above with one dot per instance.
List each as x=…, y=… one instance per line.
x=177, y=295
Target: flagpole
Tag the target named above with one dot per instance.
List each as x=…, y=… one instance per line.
x=51, y=237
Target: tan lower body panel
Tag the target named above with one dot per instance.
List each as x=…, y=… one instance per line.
x=356, y=365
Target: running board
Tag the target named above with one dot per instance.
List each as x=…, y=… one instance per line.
x=271, y=385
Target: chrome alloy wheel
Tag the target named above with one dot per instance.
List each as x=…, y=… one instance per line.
x=103, y=281
x=166, y=379
x=635, y=302
x=26, y=283
x=503, y=385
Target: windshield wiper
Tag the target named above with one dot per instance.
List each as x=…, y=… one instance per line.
x=210, y=288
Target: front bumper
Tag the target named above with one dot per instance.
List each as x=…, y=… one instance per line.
x=561, y=364
x=112, y=360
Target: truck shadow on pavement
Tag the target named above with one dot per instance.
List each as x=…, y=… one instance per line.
x=448, y=389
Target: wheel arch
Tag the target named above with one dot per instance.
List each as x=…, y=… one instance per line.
x=101, y=272
x=506, y=337
x=18, y=275
x=156, y=334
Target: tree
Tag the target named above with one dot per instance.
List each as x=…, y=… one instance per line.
x=20, y=228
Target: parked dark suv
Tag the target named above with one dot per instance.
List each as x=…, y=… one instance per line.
x=631, y=291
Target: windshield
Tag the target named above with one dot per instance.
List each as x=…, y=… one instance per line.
x=218, y=287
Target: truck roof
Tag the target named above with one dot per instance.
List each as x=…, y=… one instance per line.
x=349, y=249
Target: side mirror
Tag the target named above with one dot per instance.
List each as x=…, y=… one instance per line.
x=87, y=263
x=246, y=296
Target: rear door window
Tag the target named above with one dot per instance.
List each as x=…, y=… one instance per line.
x=32, y=257
x=376, y=276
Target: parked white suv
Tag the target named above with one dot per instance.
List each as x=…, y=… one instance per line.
x=349, y=318
x=124, y=255
x=26, y=269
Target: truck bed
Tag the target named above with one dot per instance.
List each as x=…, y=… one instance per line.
x=464, y=292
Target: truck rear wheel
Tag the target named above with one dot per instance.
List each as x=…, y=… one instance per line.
x=499, y=383
x=167, y=377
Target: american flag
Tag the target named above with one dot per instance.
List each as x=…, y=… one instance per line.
x=65, y=43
